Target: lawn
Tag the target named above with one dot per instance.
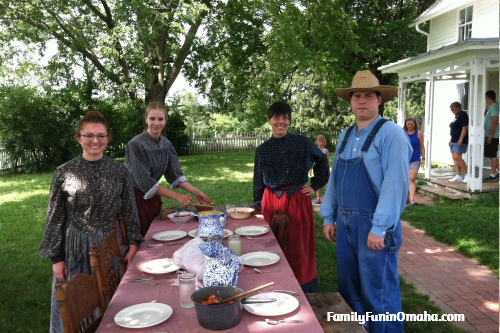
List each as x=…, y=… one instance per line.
x=225, y=178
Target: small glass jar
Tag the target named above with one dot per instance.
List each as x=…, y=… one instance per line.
x=234, y=244
x=187, y=286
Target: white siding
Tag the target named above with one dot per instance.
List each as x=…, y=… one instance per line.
x=443, y=31
x=485, y=22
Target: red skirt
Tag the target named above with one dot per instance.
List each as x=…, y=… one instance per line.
x=300, y=248
x=148, y=209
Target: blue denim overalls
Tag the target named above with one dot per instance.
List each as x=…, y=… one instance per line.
x=368, y=280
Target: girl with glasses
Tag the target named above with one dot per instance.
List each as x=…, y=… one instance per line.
x=85, y=193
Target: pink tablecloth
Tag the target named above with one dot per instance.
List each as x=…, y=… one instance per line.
x=184, y=320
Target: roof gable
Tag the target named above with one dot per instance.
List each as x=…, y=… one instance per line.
x=438, y=8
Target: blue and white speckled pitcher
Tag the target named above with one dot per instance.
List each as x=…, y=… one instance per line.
x=221, y=265
x=211, y=224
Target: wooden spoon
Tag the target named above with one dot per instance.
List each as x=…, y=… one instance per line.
x=245, y=293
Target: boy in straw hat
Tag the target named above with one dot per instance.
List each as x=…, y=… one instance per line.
x=366, y=195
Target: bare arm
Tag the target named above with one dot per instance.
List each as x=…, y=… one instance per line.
x=462, y=135
x=421, y=145
x=494, y=125
x=183, y=199
x=328, y=156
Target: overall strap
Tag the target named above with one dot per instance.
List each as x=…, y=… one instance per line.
x=346, y=138
x=373, y=133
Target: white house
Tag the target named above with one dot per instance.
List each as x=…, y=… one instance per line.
x=461, y=64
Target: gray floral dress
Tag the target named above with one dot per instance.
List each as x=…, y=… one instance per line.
x=83, y=196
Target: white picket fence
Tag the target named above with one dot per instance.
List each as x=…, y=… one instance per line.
x=4, y=160
x=227, y=142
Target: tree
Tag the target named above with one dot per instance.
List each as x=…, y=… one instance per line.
x=322, y=41
x=136, y=48
x=382, y=35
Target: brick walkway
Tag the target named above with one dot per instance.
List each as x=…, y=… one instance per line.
x=454, y=282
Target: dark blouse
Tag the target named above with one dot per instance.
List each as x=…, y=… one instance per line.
x=148, y=159
x=286, y=161
x=460, y=120
x=83, y=196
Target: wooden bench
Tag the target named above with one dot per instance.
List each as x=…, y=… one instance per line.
x=322, y=303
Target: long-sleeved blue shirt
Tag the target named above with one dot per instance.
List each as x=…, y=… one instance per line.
x=387, y=162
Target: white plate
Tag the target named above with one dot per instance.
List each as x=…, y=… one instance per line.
x=159, y=266
x=194, y=232
x=143, y=315
x=251, y=231
x=284, y=304
x=169, y=235
x=260, y=258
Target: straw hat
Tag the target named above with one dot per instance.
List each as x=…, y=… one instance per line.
x=366, y=81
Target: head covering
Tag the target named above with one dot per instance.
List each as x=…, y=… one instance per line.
x=366, y=81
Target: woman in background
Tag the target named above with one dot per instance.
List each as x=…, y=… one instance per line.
x=84, y=194
x=148, y=157
x=418, y=158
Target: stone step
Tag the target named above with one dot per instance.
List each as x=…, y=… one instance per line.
x=439, y=192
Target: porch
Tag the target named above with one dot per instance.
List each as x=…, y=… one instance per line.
x=438, y=184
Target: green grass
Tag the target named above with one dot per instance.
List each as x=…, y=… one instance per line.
x=225, y=178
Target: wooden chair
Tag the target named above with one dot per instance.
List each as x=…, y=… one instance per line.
x=101, y=261
x=122, y=228
x=81, y=303
x=279, y=226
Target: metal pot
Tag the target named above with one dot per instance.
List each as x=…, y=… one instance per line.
x=218, y=317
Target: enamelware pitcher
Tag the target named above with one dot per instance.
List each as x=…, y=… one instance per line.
x=212, y=223
x=221, y=265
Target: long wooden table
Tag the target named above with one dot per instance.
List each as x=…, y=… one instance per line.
x=184, y=320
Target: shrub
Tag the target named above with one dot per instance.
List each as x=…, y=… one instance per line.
x=36, y=131
x=176, y=133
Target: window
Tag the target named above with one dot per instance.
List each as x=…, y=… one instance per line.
x=465, y=24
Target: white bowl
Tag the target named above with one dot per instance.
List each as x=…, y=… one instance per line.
x=240, y=213
x=180, y=217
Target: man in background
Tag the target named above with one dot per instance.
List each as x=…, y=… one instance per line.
x=491, y=134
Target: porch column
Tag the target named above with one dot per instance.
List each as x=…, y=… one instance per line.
x=429, y=115
x=401, y=102
x=476, y=131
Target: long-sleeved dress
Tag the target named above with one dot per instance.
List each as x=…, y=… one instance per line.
x=280, y=171
x=148, y=159
x=83, y=196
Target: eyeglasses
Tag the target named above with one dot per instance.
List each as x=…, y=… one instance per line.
x=284, y=118
x=90, y=137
